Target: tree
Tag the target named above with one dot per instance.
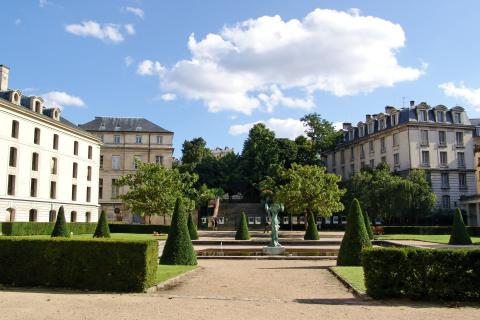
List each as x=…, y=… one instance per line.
x=459, y=235
x=102, y=230
x=192, y=228
x=194, y=151
x=306, y=153
x=153, y=190
x=242, y=228
x=287, y=152
x=311, y=233
x=355, y=238
x=321, y=132
x=178, y=247
x=368, y=224
x=60, y=229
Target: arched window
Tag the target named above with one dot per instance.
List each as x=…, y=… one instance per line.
x=16, y=97
x=73, y=216
x=10, y=215
x=32, y=215
x=38, y=107
x=88, y=216
x=52, y=216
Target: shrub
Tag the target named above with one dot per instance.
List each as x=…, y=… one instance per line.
x=192, y=228
x=242, y=228
x=473, y=231
x=138, y=228
x=355, y=238
x=102, y=231
x=368, y=224
x=91, y=264
x=422, y=273
x=459, y=235
x=178, y=247
x=43, y=228
x=60, y=229
x=312, y=232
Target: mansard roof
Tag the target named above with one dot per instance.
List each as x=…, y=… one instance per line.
x=123, y=125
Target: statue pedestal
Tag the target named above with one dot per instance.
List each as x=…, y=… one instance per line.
x=274, y=251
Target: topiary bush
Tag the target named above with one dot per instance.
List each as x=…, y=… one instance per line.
x=60, y=229
x=312, y=232
x=459, y=235
x=102, y=231
x=242, y=229
x=178, y=247
x=355, y=238
x=368, y=224
x=192, y=228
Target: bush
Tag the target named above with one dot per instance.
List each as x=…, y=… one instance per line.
x=422, y=273
x=89, y=264
x=102, y=230
x=459, y=235
x=312, y=232
x=138, y=228
x=192, y=228
x=473, y=231
x=60, y=229
x=43, y=228
x=242, y=228
x=355, y=238
x=178, y=247
x=368, y=224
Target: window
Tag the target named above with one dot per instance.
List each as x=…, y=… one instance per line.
x=53, y=166
x=395, y=139
x=362, y=151
x=75, y=148
x=428, y=177
x=446, y=202
x=440, y=116
x=53, y=189
x=55, y=141
x=352, y=155
x=88, y=216
x=425, y=158
x=90, y=151
x=442, y=138
x=461, y=159
x=89, y=173
x=33, y=187
x=115, y=189
x=11, y=185
x=394, y=119
x=342, y=156
x=370, y=147
x=159, y=160
x=89, y=191
x=370, y=127
x=101, y=162
x=116, y=162
x=116, y=139
x=15, y=129
x=136, y=161
x=459, y=139
x=159, y=139
x=52, y=216
x=74, y=192
x=351, y=134
x=457, y=117
x=445, y=180
x=362, y=131
x=35, y=157
x=73, y=216
x=342, y=170
x=396, y=159
x=352, y=168
x=100, y=136
x=443, y=159
x=100, y=188
x=381, y=124
x=383, y=159
x=138, y=139
x=12, y=162
x=32, y=215
x=372, y=163
x=424, y=137
x=334, y=159
x=462, y=180
x=75, y=170
x=382, y=146
x=422, y=115
x=362, y=165
x=36, y=136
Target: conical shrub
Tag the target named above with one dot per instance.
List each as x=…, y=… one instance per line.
x=61, y=228
x=192, y=228
x=459, y=235
x=178, y=247
x=368, y=224
x=354, y=239
x=242, y=229
x=312, y=232
x=102, y=230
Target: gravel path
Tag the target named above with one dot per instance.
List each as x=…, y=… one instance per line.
x=229, y=289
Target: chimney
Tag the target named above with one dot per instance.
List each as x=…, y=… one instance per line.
x=4, y=70
x=412, y=103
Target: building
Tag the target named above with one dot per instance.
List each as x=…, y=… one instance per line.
x=124, y=140
x=437, y=139
x=219, y=152
x=48, y=162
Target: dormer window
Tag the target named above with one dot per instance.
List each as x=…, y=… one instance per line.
x=394, y=119
x=38, y=107
x=440, y=116
x=370, y=128
x=138, y=129
x=422, y=115
x=457, y=117
x=381, y=124
x=16, y=98
x=117, y=128
x=351, y=134
x=362, y=131
x=102, y=126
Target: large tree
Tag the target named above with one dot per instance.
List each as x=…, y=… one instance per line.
x=321, y=132
x=193, y=151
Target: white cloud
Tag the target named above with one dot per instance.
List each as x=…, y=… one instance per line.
x=136, y=11
x=168, y=96
x=337, y=125
x=60, y=99
x=17, y=21
x=470, y=95
x=107, y=32
x=128, y=61
x=334, y=51
x=149, y=68
x=283, y=128
x=44, y=3
x=130, y=29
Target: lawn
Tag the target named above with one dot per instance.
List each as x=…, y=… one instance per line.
x=353, y=276
x=437, y=238
x=115, y=236
x=165, y=272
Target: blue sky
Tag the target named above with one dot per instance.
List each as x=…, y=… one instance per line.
x=153, y=59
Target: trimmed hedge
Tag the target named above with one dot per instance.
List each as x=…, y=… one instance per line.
x=312, y=232
x=60, y=229
x=43, y=228
x=106, y=265
x=242, y=228
x=423, y=274
x=102, y=230
x=473, y=231
x=459, y=235
x=368, y=224
x=192, y=228
x=138, y=228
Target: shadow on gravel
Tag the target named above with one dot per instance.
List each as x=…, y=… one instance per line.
x=297, y=268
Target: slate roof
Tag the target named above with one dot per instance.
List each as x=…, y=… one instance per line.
x=122, y=124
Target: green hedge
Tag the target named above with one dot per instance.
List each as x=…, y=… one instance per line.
x=423, y=274
x=106, y=265
x=473, y=231
x=138, y=228
x=43, y=228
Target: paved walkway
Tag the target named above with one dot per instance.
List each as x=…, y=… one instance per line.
x=226, y=289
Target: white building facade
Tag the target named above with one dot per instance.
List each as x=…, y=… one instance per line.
x=47, y=162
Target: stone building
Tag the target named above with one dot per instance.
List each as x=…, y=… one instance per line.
x=219, y=152
x=124, y=140
x=47, y=161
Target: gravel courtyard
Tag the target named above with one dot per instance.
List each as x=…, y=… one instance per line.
x=229, y=289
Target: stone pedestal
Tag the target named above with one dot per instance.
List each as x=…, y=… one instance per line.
x=273, y=251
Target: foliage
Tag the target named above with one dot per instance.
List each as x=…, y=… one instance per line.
x=61, y=229
x=194, y=151
x=242, y=228
x=355, y=238
x=178, y=247
x=138, y=228
x=90, y=264
x=473, y=231
x=321, y=132
x=287, y=152
x=423, y=274
x=437, y=238
x=43, y=228
x=102, y=231
x=368, y=224
x=312, y=232
x=459, y=234
x=192, y=228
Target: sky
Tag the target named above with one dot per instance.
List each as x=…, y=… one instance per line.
x=214, y=68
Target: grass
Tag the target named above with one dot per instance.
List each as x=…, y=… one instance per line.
x=437, y=238
x=353, y=276
x=165, y=272
x=114, y=236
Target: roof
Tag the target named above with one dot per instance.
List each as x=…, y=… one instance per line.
x=122, y=124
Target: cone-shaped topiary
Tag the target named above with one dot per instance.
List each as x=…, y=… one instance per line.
x=178, y=248
x=312, y=232
x=368, y=224
x=61, y=228
x=354, y=239
x=459, y=235
x=242, y=229
x=102, y=230
x=192, y=228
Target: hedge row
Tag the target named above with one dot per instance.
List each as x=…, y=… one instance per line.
x=473, y=231
x=423, y=274
x=138, y=228
x=120, y=266
x=43, y=228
